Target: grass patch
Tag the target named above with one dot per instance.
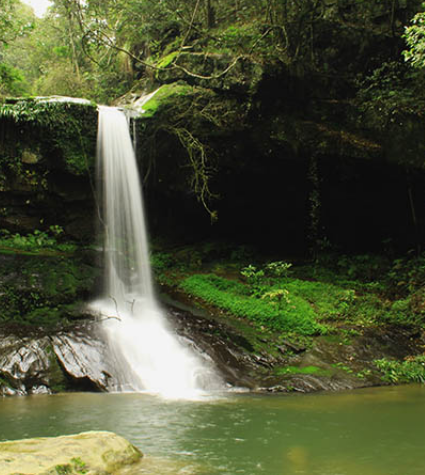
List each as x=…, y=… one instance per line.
x=235, y=297
x=329, y=301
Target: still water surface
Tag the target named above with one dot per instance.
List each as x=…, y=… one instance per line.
x=368, y=432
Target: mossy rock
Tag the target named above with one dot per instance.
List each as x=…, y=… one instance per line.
x=97, y=453
x=164, y=95
x=44, y=290
x=62, y=131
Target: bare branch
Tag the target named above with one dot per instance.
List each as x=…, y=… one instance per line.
x=116, y=304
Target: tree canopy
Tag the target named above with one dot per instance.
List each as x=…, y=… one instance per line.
x=101, y=48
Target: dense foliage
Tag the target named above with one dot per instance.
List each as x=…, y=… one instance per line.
x=15, y=23
x=415, y=39
x=101, y=49
x=336, y=292
x=412, y=369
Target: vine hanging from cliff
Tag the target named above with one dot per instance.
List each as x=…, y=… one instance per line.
x=200, y=166
x=193, y=116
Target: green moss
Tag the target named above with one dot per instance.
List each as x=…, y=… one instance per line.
x=281, y=302
x=77, y=466
x=239, y=38
x=43, y=290
x=64, y=130
x=329, y=296
x=343, y=367
x=329, y=301
x=315, y=370
x=57, y=380
x=167, y=60
x=164, y=95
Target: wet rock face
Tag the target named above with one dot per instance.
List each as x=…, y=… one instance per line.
x=227, y=350
x=25, y=364
x=37, y=361
x=329, y=363
x=83, y=358
x=77, y=358
x=40, y=362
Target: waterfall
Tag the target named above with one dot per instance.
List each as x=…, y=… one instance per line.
x=147, y=354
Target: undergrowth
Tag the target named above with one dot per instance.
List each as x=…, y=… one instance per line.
x=306, y=298
x=412, y=369
x=36, y=241
x=274, y=312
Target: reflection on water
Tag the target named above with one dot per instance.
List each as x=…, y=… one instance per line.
x=373, y=432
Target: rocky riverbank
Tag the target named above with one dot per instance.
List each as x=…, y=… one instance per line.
x=76, y=358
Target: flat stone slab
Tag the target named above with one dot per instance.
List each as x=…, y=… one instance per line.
x=89, y=453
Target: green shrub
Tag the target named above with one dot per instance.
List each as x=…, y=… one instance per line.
x=412, y=369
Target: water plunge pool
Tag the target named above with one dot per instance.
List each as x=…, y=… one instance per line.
x=367, y=432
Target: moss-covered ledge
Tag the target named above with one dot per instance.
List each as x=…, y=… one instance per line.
x=47, y=160
x=161, y=98
x=64, y=127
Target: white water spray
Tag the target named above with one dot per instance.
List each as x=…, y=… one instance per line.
x=148, y=355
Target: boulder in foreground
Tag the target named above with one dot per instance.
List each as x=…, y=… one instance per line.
x=92, y=453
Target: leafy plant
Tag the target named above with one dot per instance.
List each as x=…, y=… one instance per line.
x=415, y=40
x=63, y=469
x=278, y=296
x=412, y=369
x=407, y=275
x=36, y=240
x=252, y=274
x=365, y=373
x=343, y=367
x=278, y=268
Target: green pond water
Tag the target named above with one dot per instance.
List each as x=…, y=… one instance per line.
x=366, y=432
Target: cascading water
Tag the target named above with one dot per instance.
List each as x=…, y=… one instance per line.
x=147, y=354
